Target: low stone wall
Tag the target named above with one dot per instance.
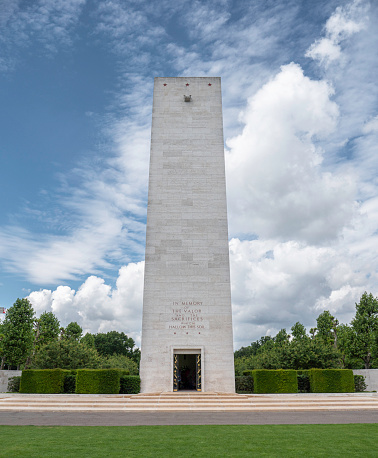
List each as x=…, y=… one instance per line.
x=371, y=378
x=4, y=377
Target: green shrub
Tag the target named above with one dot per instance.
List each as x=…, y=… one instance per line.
x=244, y=383
x=98, y=381
x=331, y=380
x=46, y=381
x=303, y=372
x=130, y=384
x=275, y=381
x=303, y=383
x=69, y=383
x=66, y=354
x=359, y=383
x=119, y=362
x=303, y=378
x=248, y=372
x=14, y=384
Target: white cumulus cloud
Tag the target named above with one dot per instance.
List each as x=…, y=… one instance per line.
x=96, y=306
x=276, y=185
x=274, y=285
x=345, y=21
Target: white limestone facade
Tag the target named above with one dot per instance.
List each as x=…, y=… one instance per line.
x=187, y=297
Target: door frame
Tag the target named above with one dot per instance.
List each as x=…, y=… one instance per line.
x=188, y=350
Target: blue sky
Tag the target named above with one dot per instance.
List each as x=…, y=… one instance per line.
x=300, y=124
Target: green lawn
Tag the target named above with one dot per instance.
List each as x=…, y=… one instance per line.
x=357, y=440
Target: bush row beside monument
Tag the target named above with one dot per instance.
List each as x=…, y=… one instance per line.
x=244, y=384
x=331, y=380
x=290, y=381
x=130, y=384
x=278, y=381
x=44, y=381
x=114, y=381
x=83, y=381
x=106, y=381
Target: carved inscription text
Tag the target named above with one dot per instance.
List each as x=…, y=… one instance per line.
x=186, y=315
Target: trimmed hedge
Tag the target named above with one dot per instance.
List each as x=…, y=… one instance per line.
x=305, y=372
x=130, y=384
x=331, y=380
x=83, y=381
x=244, y=383
x=44, y=381
x=99, y=381
x=322, y=381
x=275, y=381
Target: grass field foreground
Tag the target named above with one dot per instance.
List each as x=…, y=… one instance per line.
x=190, y=441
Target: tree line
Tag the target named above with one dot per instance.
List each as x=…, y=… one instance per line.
x=27, y=342
x=41, y=343
x=328, y=345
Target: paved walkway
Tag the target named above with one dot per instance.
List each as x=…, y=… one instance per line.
x=187, y=408
x=185, y=418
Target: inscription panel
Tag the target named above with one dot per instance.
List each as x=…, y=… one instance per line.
x=186, y=315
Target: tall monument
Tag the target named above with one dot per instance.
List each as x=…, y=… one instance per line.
x=187, y=322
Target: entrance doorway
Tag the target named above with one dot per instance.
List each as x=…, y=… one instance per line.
x=186, y=372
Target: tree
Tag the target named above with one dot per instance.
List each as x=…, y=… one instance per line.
x=66, y=354
x=73, y=331
x=115, y=343
x=344, y=339
x=46, y=330
x=2, y=357
x=18, y=333
x=310, y=353
x=365, y=329
x=282, y=338
x=48, y=327
x=244, y=351
x=88, y=340
x=313, y=332
x=298, y=331
x=119, y=362
x=302, y=352
x=255, y=347
x=136, y=355
x=327, y=328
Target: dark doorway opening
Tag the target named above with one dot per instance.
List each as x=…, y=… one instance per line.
x=187, y=372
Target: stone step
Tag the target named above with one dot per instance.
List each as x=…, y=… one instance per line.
x=203, y=402
x=185, y=403
x=191, y=409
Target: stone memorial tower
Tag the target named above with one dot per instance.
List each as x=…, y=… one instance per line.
x=187, y=323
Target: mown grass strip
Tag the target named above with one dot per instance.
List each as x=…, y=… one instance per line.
x=199, y=441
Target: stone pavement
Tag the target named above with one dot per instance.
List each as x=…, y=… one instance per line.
x=187, y=408
x=139, y=418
